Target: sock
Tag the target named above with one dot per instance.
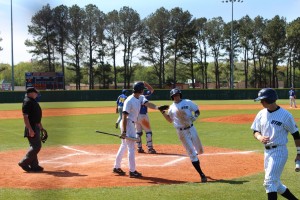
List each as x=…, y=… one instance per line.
x=288, y=195
x=272, y=196
x=196, y=165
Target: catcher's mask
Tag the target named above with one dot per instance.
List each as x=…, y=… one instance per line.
x=175, y=91
x=138, y=87
x=267, y=94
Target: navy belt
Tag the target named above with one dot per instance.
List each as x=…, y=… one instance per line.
x=270, y=147
x=185, y=128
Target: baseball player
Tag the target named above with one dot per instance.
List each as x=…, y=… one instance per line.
x=131, y=109
x=143, y=123
x=32, y=114
x=292, y=96
x=120, y=103
x=181, y=115
x=270, y=127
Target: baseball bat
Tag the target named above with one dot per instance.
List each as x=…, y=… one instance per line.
x=116, y=135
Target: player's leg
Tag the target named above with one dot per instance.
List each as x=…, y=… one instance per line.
x=184, y=137
x=131, y=151
x=288, y=195
x=139, y=133
x=196, y=141
x=294, y=102
x=145, y=123
x=151, y=150
x=275, y=160
x=117, y=165
x=120, y=110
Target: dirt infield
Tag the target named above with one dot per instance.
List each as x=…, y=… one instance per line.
x=91, y=166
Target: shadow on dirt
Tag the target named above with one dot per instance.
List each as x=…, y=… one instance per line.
x=63, y=173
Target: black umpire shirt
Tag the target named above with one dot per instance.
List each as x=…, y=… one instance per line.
x=32, y=108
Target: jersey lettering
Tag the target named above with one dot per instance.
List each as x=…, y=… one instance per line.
x=184, y=107
x=276, y=122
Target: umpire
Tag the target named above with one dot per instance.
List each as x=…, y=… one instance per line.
x=32, y=114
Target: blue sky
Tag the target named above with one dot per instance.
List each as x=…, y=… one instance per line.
x=24, y=9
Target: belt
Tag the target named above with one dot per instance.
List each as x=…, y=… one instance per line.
x=270, y=147
x=185, y=128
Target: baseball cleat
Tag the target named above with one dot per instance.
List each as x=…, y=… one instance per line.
x=25, y=168
x=203, y=178
x=37, y=169
x=140, y=150
x=119, y=171
x=117, y=125
x=151, y=151
x=135, y=174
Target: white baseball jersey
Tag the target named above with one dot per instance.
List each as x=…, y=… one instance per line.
x=181, y=114
x=276, y=126
x=132, y=106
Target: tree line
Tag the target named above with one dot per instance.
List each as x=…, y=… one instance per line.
x=171, y=44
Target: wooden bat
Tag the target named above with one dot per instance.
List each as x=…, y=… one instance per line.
x=116, y=135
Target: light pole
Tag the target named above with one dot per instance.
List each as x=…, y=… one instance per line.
x=231, y=42
x=12, y=49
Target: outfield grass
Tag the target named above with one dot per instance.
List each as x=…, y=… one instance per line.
x=80, y=130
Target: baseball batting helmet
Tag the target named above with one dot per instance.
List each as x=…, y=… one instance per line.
x=124, y=91
x=268, y=94
x=175, y=91
x=138, y=87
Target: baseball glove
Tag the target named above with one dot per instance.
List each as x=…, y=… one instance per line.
x=44, y=135
x=162, y=108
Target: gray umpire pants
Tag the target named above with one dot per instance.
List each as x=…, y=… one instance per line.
x=31, y=157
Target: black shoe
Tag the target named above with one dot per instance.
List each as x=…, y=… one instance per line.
x=37, y=169
x=119, y=171
x=117, y=125
x=135, y=174
x=140, y=150
x=25, y=168
x=151, y=151
x=203, y=178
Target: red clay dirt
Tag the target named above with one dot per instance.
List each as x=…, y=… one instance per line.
x=91, y=166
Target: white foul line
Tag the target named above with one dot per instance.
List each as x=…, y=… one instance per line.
x=227, y=153
x=172, y=162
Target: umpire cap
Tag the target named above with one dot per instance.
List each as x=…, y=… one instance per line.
x=138, y=87
x=268, y=94
x=31, y=89
x=175, y=91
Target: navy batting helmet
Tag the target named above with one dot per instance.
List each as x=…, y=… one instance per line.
x=175, y=91
x=124, y=91
x=138, y=87
x=267, y=94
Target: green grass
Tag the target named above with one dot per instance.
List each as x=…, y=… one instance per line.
x=80, y=130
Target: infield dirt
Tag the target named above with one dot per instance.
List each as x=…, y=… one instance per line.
x=91, y=166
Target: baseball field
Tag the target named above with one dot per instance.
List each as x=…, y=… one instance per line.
x=78, y=161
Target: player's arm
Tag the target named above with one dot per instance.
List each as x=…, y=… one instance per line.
x=151, y=105
x=259, y=137
x=166, y=116
x=31, y=133
x=296, y=137
x=124, y=124
x=148, y=86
